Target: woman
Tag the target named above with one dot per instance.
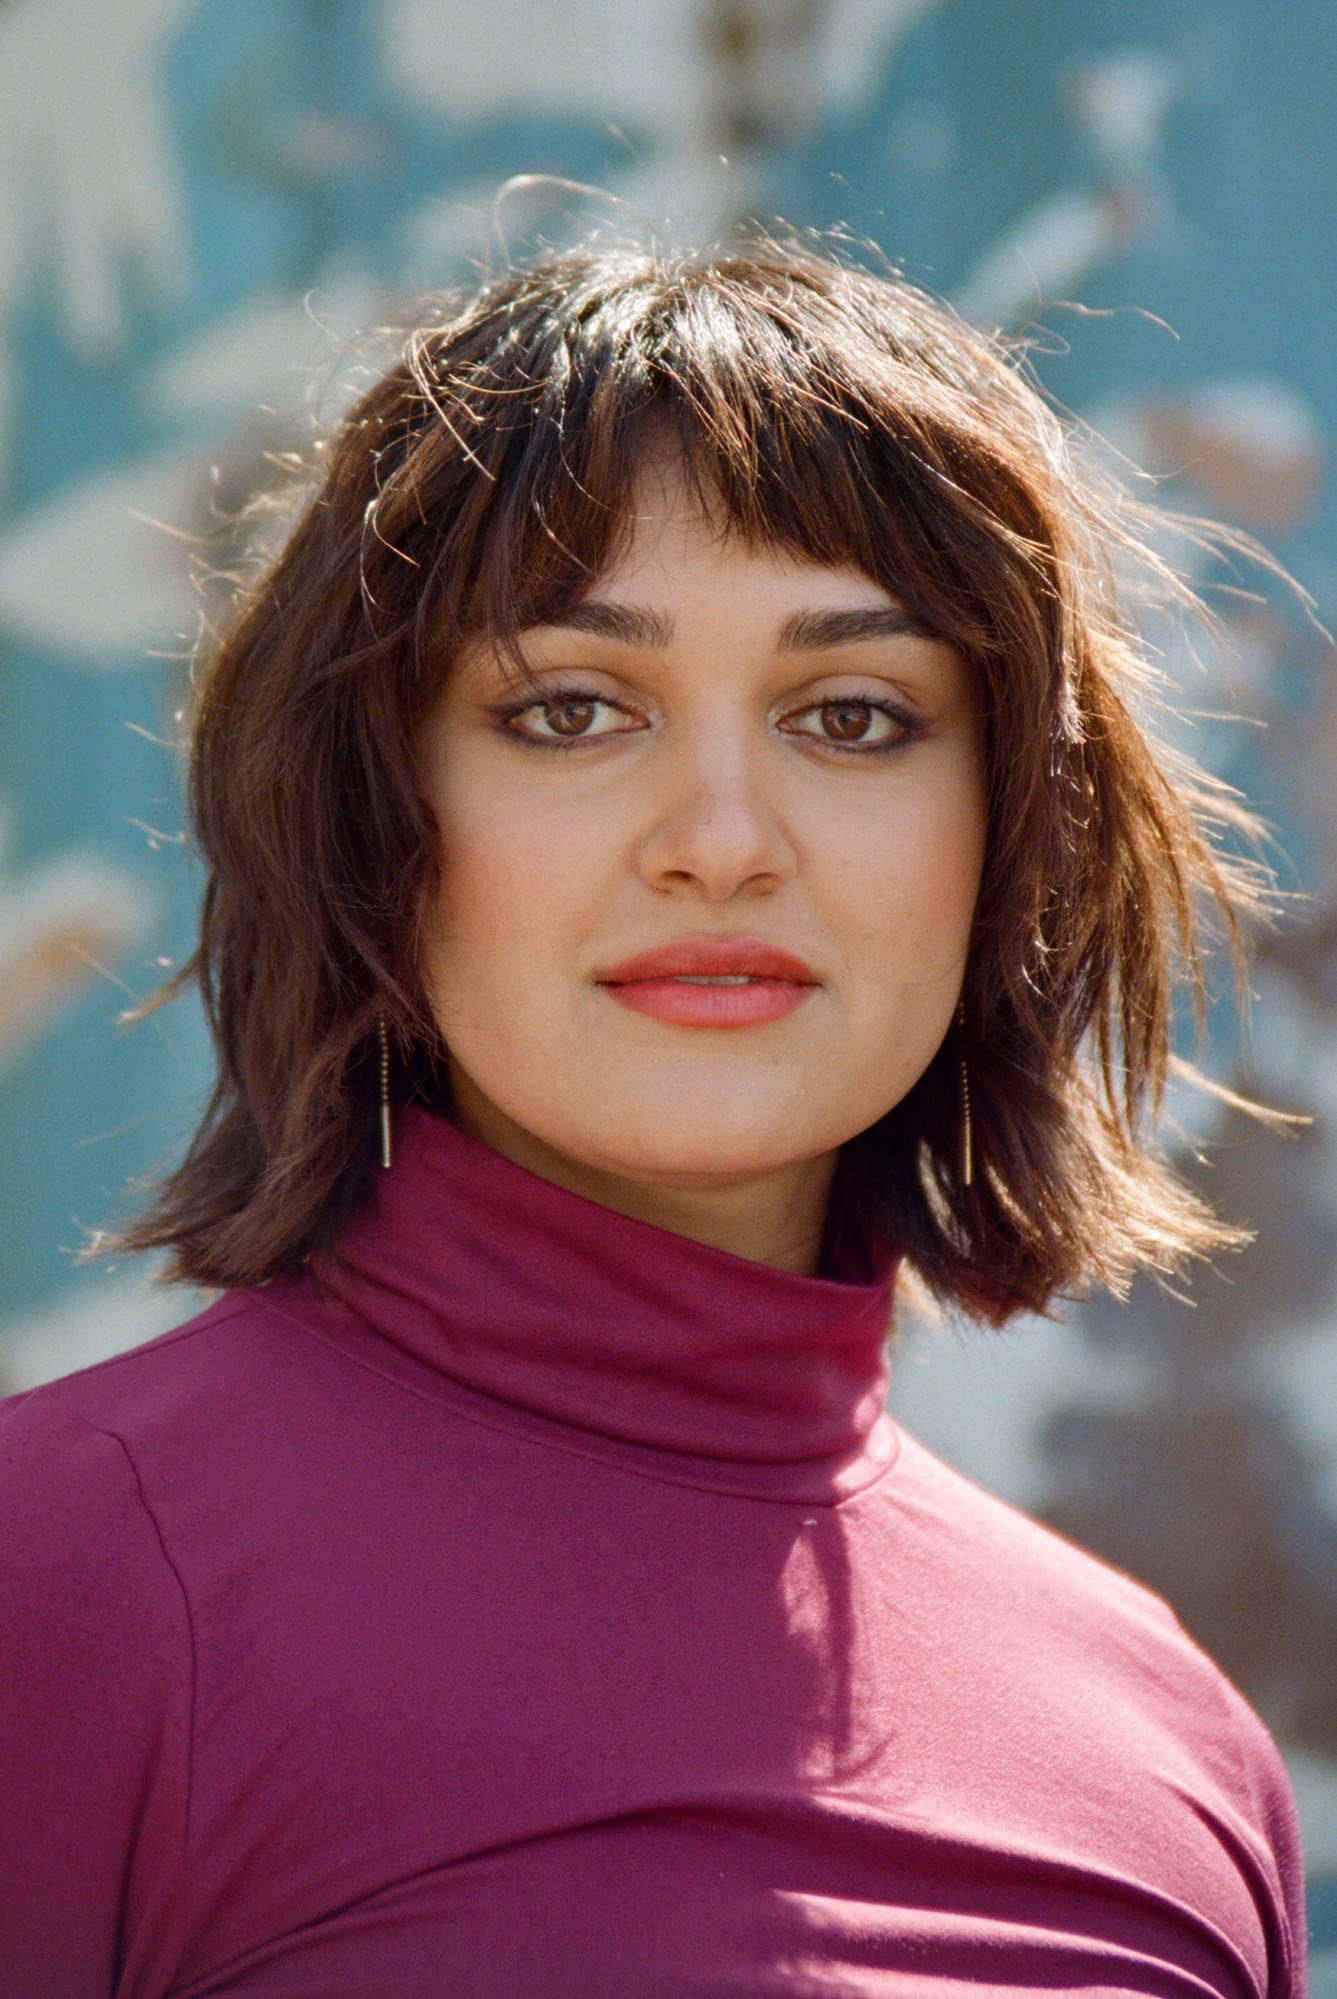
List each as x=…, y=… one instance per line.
x=680, y=840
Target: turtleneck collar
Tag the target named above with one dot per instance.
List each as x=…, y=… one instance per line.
x=520, y=1290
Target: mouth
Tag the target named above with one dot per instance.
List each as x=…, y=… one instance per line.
x=712, y=982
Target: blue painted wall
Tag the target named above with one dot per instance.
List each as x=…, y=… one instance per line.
x=151, y=286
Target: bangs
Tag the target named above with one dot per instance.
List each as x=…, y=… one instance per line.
x=844, y=440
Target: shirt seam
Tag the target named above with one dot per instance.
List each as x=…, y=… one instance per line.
x=573, y=1448
x=115, y=1437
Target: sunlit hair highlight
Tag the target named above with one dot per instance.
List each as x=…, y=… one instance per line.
x=481, y=485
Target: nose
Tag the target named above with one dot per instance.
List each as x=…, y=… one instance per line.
x=717, y=831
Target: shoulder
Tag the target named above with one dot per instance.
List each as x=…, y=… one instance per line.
x=1093, y=1683
x=109, y=1480
x=80, y=1456
x=1058, y=1613
x=69, y=1471
x=235, y=1345
x=1053, y=1610
x=1037, y=1570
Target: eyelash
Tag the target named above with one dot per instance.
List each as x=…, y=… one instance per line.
x=510, y=713
x=909, y=724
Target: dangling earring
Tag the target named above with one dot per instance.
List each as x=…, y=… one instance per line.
x=967, y=1139
x=383, y=1044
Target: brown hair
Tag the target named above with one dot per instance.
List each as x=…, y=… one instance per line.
x=479, y=486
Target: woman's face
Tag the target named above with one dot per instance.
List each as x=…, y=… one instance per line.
x=707, y=887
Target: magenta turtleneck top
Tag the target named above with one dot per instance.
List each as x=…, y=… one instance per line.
x=524, y=1603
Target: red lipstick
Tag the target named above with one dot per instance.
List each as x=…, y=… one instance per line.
x=712, y=982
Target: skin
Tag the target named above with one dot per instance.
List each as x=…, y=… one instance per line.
x=708, y=763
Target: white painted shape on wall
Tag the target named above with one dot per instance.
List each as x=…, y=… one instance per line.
x=1123, y=101
x=679, y=196
x=438, y=236
x=635, y=60
x=102, y=571
x=1049, y=255
x=103, y=1314
x=90, y=191
x=271, y=351
x=686, y=198
x=857, y=44
x=89, y=184
x=640, y=62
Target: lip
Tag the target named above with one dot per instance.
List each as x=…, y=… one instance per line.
x=712, y=957
x=662, y=983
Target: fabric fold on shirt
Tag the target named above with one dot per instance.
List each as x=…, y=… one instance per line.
x=525, y=1291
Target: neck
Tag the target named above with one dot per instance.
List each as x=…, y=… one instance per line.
x=774, y=1218
x=509, y=1285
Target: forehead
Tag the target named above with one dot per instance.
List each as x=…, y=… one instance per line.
x=677, y=541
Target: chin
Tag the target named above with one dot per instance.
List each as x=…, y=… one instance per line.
x=707, y=1152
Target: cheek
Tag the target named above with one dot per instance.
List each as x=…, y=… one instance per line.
x=905, y=881
x=514, y=884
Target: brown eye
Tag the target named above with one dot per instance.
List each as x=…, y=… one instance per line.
x=569, y=718
x=847, y=721
x=851, y=724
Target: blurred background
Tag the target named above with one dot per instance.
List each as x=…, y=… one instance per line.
x=202, y=200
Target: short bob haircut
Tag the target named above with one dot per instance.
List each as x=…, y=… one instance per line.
x=481, y=485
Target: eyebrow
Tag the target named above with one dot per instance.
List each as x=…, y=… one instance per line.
x=615, y=621
x=806, y=631
x=813, y=631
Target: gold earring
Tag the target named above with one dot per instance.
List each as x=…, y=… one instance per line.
x=967, y=1138
x=383, y=1040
